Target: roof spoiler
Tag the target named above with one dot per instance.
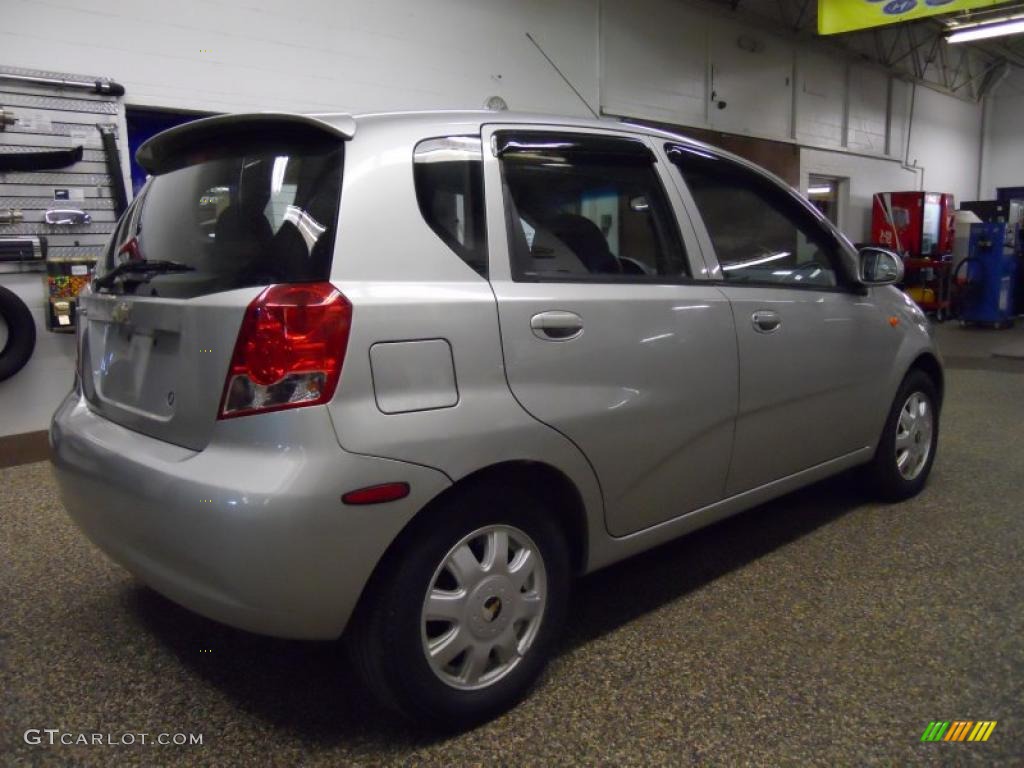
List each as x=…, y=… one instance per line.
x=167, y=151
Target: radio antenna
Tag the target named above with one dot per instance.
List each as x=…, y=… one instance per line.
x=564, y=78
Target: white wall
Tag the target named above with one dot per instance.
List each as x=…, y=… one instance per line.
x=821, y=99
x=756, y=86
x=29, y=398
x=1004, y=139
x=669, y=61
x=865, y=175
x=946, y=141
x=658, y=59
x=945, y=144
x=314, y=55
x=664, y=74
x=685, y=63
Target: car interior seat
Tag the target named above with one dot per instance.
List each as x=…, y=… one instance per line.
x=587, y=241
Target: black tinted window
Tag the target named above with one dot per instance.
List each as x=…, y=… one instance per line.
x=587, y=208
x=120, y=234
x=760, y=233
x=238, y=216
x=449, y=178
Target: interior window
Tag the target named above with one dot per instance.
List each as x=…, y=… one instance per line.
x=246, y=212
x=448, y=174
x=122, y=231
x=587, y=208
x=760, y=234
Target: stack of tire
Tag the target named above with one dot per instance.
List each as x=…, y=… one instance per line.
x=21, y=333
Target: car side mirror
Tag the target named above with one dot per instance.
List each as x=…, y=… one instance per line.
x=879, y=266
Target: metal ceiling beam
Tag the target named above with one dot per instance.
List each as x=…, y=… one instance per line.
x=802, y=15
x=974, y=78
x=913, y=50
x=912, y=46
x=1000, y=51
x=960, y=68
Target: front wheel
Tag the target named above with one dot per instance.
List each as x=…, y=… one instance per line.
x=906, y=450
x=467, y=609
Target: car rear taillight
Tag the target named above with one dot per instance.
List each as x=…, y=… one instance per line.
x=289, y=351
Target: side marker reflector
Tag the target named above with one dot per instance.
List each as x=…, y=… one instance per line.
x=377, y=494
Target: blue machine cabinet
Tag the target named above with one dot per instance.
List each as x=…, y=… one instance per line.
x=989, y=270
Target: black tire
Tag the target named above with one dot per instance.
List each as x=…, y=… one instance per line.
x=384, y=636
x=21, y=334
x=883, y=475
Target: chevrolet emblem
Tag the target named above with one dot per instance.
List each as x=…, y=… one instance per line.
x=122, y=312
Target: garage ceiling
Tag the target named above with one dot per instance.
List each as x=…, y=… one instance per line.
x=915, y=50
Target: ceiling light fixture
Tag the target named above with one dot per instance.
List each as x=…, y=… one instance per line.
x=1011, y=26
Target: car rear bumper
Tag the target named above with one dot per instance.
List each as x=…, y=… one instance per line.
x=251, y=530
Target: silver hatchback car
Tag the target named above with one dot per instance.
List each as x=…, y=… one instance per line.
x=401, y=377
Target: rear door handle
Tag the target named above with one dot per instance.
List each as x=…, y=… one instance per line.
x=766, y=321
x=556, y=325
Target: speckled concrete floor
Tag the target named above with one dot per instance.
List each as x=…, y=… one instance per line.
x=821, y=629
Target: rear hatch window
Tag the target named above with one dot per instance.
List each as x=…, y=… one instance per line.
x=230, y=211
x=250, y=213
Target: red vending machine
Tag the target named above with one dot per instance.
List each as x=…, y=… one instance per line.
x=919, y=226
x=915, y=224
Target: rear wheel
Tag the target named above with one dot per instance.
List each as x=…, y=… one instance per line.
x=906, y=450
x=467, y=609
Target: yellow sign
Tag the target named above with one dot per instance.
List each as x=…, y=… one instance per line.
x=836, y=16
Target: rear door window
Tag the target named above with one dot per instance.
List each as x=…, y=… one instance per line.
x=249, y=214
x=449, y=178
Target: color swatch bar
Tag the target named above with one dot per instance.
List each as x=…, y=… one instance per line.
x=958, y=730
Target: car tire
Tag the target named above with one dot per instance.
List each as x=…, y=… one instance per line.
x=390, y=636
x=906, y=451
x=21, y=333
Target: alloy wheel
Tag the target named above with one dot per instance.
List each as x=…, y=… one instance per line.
x=483, y=607
x=914, y=435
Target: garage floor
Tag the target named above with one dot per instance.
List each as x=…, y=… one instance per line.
x=820, y=629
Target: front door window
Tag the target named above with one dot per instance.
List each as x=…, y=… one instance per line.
x=586, y=208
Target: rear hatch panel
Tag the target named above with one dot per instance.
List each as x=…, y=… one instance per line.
x=157, y=366
x=237, y=203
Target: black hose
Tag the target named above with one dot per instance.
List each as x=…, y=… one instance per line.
x=114, y=171
x=956, y=308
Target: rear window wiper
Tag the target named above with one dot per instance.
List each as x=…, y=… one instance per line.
x=149, y=268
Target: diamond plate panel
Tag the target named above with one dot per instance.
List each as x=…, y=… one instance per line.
x=29, y=203
x=56, y=102
x=60, y=179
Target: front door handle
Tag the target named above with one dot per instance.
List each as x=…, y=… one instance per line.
x=766, y=321
x=556, y=326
